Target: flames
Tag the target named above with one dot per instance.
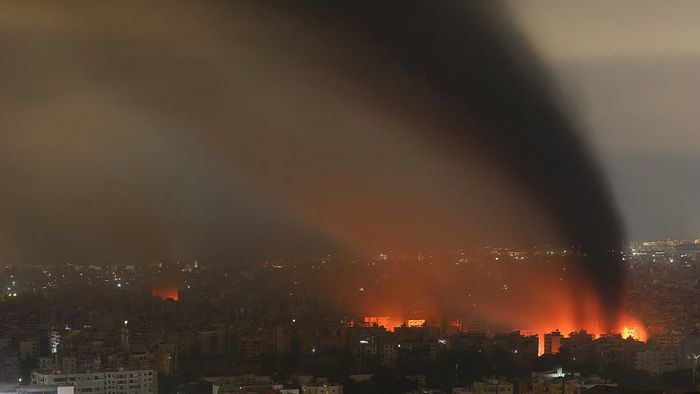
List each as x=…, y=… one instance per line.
x=537, y=309
x=379, y=321
x=415, y=323
x=578, y=311
x=629, y=327
x=165, y=293
x=536, y=296
x=392, y=322
x=634, y=332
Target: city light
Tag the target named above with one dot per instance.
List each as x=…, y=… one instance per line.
x=415, y=322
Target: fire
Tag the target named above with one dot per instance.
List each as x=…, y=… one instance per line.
x=629, y=327
x=379, y=321
x=634, y=328
x=628, y=332
x=533, y=297
x=165, y=293
x=415, y=322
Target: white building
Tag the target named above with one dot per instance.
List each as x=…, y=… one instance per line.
x=121, y=381
x=19, y=389
x=54, y=341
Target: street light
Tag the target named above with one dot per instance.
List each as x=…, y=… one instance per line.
x=694, y=357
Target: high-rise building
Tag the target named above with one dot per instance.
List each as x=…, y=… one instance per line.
x=9, y=364
x=656, y=361
x=54, y=340
x=552, y=342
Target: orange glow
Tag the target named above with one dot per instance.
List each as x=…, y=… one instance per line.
x=534, y=297
x=630, y=332
x=536, y=305
x=628, y=327
x=379, y=321
x=415, y=323
x=634, y=328
x=551, y=341
x=165, y=293
x=542, y=298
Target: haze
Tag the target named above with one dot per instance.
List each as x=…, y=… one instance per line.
x=184, y=135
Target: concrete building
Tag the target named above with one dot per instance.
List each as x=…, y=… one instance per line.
x=656, y=361
x=668, y=340
x=275, y=340
x=166, y=358
x=18, y=389
x=242, y=384
x=28, y=348
x=249, y=347
x=578, y=346
x=552, y=342
x=493, y=386
x=560, y=383
x=47, y=362
x=388, y=354
x=121, y=381
x=212, y=342
x=9, y=365
x=332, y=388
x=68, y=364
x=522, y=346
x=54, y=340
x=471, y=342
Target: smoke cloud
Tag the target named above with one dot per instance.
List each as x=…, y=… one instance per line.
x=470, y=55
x=185, y=129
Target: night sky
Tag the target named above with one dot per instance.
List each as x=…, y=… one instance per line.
x=629, y=72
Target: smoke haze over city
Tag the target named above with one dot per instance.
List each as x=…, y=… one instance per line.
x=384, y=165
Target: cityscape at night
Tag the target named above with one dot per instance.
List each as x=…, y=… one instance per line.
x=285, y=323
x=349, y=197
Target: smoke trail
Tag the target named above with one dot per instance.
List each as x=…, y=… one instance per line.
x=470, y=54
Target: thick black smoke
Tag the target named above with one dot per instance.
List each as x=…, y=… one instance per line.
x=470, y=55
x=139, y=134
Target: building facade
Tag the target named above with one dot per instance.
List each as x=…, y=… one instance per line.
x=121, y=381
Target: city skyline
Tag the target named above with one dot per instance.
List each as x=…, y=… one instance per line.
x=349, y=197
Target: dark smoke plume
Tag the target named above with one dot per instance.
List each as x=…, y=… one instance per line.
x=132, y=130
x=470, y=54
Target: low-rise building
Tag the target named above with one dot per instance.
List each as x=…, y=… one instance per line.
x=119, y=381
x=493, y=386
x=332, y=388
x=19, y=389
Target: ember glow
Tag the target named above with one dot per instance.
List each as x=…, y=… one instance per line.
x=630, y=327
x=165, y=293
x=379, y=321
x=415, y=323
x=542, y=308
x=537, y=295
